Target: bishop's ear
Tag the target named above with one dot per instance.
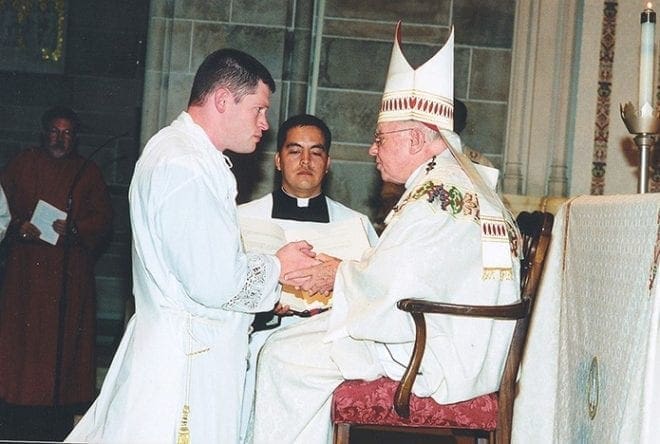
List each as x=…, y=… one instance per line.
x=417, y=140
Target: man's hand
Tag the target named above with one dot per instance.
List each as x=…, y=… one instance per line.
x=282, y=310
x=60, y=227
x=27, y=231
x=318, y=278
x=293, y=256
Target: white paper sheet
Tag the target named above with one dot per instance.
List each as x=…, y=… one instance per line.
x=43, y=217
x=346, y=240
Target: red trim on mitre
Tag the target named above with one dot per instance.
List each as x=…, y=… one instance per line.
x=432, y=126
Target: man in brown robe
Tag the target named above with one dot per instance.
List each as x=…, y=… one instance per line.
x=47, y=285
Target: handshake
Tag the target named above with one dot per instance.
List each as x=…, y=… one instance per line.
x=303, y=269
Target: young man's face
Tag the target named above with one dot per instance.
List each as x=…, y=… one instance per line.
x=250, y=120
x=303, y=161
x=59, y=137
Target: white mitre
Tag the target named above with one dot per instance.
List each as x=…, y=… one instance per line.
x=425, y=94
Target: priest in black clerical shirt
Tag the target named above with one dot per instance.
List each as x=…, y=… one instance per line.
x=302, y=158
x=306, y=209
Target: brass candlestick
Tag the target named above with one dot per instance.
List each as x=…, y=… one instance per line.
x=645, y=126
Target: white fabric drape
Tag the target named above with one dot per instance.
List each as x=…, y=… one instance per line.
x=194, y=288
x=594, y=335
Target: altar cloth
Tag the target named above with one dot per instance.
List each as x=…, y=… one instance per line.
x=590, y=373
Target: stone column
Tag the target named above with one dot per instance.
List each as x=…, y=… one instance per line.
x=157, y=68
x=540, y=110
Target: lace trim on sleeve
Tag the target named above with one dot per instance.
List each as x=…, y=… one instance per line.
x=260, y=268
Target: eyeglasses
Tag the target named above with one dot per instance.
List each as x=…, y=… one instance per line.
x=378, y=136
x=55, y=132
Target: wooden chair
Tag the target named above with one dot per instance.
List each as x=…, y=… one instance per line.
x=388, y=405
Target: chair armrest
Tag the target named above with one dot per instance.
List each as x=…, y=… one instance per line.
x=516, y=310
x=417, y=308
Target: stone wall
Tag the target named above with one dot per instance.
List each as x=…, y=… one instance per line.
x=353, y=56
x=103, y=78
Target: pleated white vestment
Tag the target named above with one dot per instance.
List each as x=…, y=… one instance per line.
x=430, y=249
x=194, y=288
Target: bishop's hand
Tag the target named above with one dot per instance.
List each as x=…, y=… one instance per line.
x=294, y=256
x=318, y=278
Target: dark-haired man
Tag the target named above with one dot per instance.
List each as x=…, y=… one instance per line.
x=47, y=336
x=303, y=160
x=179, y=370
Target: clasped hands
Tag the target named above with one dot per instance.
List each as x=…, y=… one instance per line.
x=306, y=270
x=29, y=231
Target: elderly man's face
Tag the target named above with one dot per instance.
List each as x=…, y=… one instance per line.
x=60, y=137
x=391, y=148
x=303, y=161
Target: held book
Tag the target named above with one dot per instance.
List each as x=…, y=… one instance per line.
x=346, y=240
x=43, y=217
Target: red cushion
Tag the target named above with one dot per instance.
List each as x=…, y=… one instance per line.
x=371, y=402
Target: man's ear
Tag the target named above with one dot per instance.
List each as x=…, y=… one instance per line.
x=417, y=140
x=221, y=97
x=327, y=165
x=277, y=161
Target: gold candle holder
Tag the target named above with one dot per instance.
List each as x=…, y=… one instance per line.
x=645, y=126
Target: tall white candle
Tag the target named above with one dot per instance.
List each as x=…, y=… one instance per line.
x=646, y=59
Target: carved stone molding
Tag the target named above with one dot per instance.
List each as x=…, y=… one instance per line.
x=538, y=124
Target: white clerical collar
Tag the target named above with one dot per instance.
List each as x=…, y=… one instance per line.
x=302, y=202
x=186, y=119
x=228, y=161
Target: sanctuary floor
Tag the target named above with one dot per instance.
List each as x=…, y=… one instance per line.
x=40, y=424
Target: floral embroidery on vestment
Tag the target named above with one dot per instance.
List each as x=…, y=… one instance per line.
x=448, y=197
